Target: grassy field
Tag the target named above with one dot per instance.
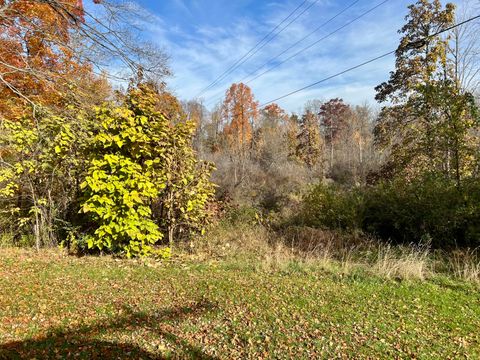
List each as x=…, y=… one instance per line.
x=58, y=306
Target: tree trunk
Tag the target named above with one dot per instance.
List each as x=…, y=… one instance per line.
x=36, y=225
x=36, y=231
x=170, y=220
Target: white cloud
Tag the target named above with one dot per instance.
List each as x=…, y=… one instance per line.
x=198, y=57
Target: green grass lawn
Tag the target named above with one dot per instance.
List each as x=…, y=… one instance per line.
x=56, y=306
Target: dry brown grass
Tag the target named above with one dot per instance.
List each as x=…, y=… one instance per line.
x=402, y=262
x=279, y=257
x=228, y=241
x=466, y=265
x=332, y=251
x=346, y=252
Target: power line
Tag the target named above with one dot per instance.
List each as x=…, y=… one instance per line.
x=302, y=39
x=253, y=48
x=318, y=41
x=295, y=44
x=278, y=33
x=256, y=48
x=454, y=26
x=415, y=43
x=329, y=77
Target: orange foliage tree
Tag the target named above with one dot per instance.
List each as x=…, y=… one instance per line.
x=239, y=114
x=170, y=107
x=274, y=115
x=54, y=53
x=36, y=60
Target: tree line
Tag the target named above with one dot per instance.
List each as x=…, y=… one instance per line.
x=408, y=172
x=102, y=169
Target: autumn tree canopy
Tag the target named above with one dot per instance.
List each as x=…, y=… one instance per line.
x=427, y=127
x=309, y=148
x=239, y=114
x=52, y=53
x=36, y=61
x=333, y=119
x=273, y=115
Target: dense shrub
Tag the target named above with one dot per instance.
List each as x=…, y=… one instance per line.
x=332, y=207
x=144, y=182
x=426, y=208
x=429, y=209
x=41, y=164
x=118, y=192
x=118, y=179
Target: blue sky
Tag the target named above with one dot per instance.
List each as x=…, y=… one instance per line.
x=205, y=37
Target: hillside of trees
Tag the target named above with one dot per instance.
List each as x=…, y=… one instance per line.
x=132, y=171
x=136, y=224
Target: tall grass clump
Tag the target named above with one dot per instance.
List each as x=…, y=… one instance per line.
x=402, y=262
x=465, y=265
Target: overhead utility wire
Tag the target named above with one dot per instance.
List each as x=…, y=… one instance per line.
x=253, y=48
x=413, y=44
x=291, y=46
x=417, y=43
x=301, y=40
x=281, y=30
x=316, y=42
x=256, y=48
x=329, y=77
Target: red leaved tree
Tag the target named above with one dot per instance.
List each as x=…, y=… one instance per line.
x=35, y=58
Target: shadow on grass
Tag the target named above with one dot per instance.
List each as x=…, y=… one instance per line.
x=80, y=343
